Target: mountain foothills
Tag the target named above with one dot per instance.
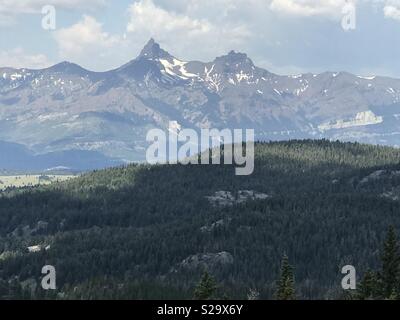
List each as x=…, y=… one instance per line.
x=115, y=233
x=66, y=108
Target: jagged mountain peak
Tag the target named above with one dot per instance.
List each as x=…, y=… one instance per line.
x=234, y=62
x=157, y=64
x=234, y=57
x=152, y=50
x=237, y=55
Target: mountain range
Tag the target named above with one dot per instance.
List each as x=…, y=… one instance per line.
x=101, y=118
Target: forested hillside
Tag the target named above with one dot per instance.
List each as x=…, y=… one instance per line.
x=140, y=232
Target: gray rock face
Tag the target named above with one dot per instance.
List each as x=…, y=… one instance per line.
x=393, y=194
x=213, y=226
x=388, y=179
x=66, y=107
x=27, y=231
x=227, y=198
x=207, y=260
x=376, y=175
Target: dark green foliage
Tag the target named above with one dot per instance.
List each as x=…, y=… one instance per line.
x=124, y=232
x=369, y=287
x=206, y=288
x=286, y=284
x=384, y=284
x=390, y=265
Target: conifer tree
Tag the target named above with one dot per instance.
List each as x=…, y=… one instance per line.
x=206, y=288
x=369, y=286
x=286, y=284
x=390, y=265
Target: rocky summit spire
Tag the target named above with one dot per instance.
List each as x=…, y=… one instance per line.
x=234, y=62
x=152, y=50
x=234, y=57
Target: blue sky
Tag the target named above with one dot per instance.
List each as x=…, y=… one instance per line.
x=284, y=36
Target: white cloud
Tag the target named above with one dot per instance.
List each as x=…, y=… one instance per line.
x=34, y=6
x=10, y=9
x=205, y=8
x=203, y=29
x=18, y=58
x=86, y=40
x=183, y=34
x=392, y=10
x=187, y=34
x=331, y=8
x=141, y=13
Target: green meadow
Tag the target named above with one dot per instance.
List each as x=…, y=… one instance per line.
x=18, y=181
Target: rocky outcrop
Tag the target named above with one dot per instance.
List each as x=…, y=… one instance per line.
x=213, y=226
x=393, y=194
x=205, y=261
x=227, y=198
x=380, y=174
x=27, y=231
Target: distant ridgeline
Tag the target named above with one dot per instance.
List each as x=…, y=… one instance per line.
x=141, y=232
x=17, y=159
x=102, y=118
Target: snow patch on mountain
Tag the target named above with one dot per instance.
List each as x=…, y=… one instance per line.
x=364, y=118
x=177, y=68
x=214, y=81
x=367, y=78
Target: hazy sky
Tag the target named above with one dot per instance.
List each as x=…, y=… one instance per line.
x=284, y=36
